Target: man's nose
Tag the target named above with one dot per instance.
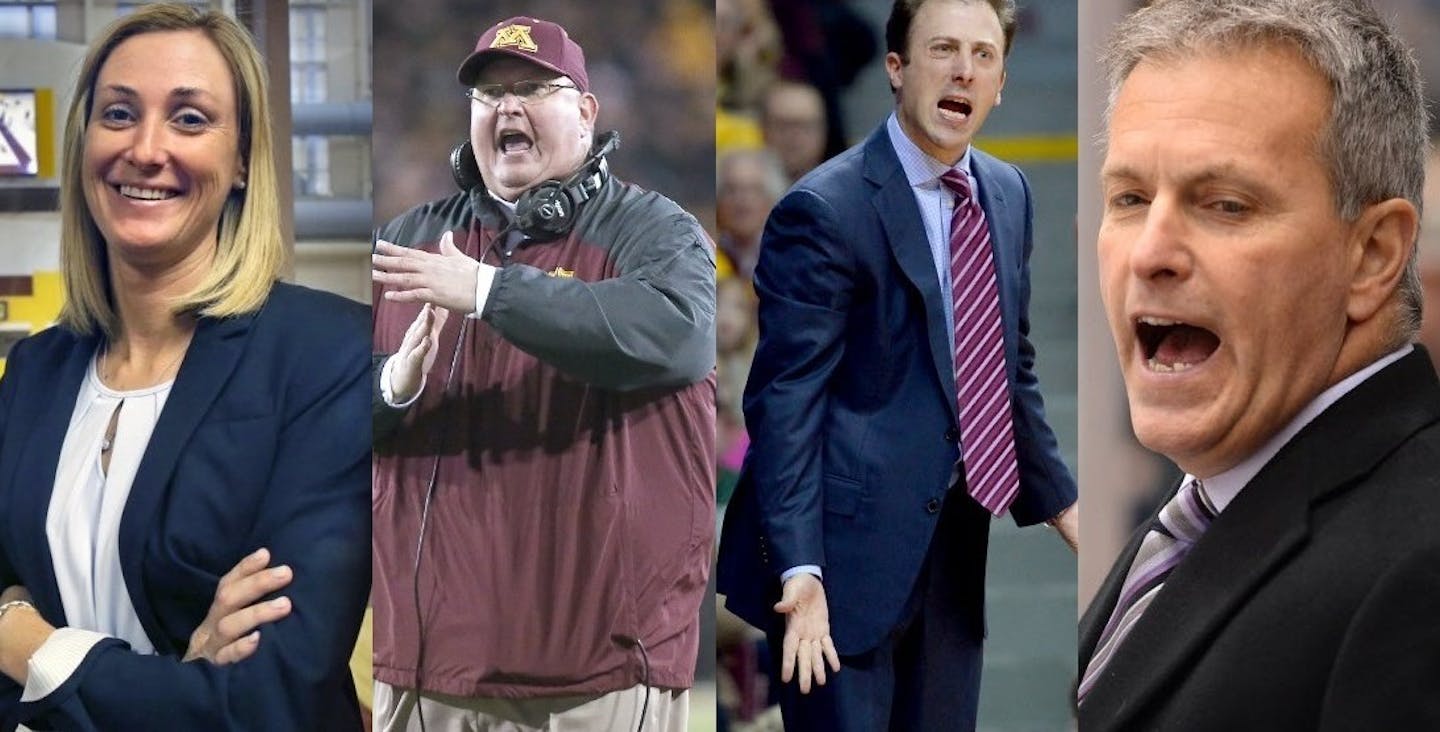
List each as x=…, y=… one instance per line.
x=509, y=103
x=963, y=67
x=1160, y=250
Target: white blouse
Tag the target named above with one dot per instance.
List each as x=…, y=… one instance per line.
x=83, y=526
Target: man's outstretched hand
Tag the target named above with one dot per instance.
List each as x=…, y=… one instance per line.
x=445, y=279
x=807, y=646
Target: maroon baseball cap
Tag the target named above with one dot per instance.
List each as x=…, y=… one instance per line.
x=537, y=41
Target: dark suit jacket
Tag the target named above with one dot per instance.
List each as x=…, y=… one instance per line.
x=1313, y=600
x=851, y=399
x=264, y=441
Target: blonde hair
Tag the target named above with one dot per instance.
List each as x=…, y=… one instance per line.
x=250, y=251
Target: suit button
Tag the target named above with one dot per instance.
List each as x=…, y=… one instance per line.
x=932, y=505
x=952, y=435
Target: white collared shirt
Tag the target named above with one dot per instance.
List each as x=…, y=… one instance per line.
x=82, y=526
x=937, y=206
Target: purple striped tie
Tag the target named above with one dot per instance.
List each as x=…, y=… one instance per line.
x=1179, y=526
x=987, y=431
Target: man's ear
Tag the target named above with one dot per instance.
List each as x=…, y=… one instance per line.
x=1381, y=245
x=589, y=109
x=893, y=64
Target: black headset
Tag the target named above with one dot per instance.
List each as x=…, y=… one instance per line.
x=547, y=211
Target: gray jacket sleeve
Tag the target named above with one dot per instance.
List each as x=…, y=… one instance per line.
x=652, y=326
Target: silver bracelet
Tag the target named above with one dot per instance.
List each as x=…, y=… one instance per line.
x=8, y=606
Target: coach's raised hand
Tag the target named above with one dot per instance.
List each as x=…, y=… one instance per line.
x=446, y=278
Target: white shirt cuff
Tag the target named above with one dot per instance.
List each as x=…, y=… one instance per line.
x=388, y=393
x=484, y=277
x=791, y=572
x=56, y=660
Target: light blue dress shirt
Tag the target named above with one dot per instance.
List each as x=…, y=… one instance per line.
x=937, y=204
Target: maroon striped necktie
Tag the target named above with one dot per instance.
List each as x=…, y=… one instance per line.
x=1180, y=524
x=987, y=431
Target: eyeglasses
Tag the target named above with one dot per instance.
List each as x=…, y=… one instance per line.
x=528, y=92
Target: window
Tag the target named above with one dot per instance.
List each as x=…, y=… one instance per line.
x=27, y=19
x=308, y=84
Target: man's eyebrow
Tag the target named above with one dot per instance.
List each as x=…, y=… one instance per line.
x=940, y=37
x=1117, y=173
x=1208, y=173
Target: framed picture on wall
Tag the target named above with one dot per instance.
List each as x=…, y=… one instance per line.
x=19, y=141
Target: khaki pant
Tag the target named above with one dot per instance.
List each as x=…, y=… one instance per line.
x=617, y=711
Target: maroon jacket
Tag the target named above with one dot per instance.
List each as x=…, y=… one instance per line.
x=574, y=504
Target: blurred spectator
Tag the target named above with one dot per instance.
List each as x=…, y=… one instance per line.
x=747, y=48
x=736, y=132
x=736, y=333
x=792, y=120
x=743, y=696
x=826, y=44
x=749, y=182
x=768, y=131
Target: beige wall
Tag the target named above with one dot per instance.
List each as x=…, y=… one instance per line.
x=1115, y=471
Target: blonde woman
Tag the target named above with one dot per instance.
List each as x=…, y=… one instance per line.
x=184, y=459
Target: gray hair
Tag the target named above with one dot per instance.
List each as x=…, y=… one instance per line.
x=1375, y=142
x=776, y=182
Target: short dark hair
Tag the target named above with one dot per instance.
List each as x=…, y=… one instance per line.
x=902, y=14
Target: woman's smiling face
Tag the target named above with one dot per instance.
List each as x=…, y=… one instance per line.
x=162, y=144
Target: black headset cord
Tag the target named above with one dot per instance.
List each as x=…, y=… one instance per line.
x=424, y=522
x=626, y=640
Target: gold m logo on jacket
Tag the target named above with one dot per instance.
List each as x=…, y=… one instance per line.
x=561, y=272
x=515, y=35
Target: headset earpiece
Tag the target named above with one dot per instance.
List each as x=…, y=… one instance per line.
x=464, y=167
x=547, y=211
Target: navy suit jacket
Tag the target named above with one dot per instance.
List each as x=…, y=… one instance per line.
x=851, y=403
x=263, y=441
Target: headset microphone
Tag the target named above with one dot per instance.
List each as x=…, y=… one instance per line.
x=547, y=211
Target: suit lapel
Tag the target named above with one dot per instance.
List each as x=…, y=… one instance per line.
x=214, y=352
x=1257, y=534
x=897, y=211
x=50, y=409
x=1242, y=547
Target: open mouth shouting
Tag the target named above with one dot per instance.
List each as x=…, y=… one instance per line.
x=1170, y=346
x=513, y=142
x=955, y=108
